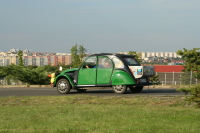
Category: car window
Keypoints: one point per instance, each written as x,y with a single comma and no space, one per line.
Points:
90,62
118,63
104,62
131,61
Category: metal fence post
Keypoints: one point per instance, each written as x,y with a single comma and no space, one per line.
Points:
173,79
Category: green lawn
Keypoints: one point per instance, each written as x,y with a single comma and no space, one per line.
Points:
90,114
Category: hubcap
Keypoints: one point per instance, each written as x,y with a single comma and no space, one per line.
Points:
119,87
62,86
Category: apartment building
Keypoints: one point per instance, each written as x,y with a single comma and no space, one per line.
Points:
35,59
55,59
8,58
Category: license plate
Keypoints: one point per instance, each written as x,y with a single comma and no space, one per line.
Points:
143,80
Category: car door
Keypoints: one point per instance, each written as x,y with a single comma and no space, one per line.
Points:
104,70
87,73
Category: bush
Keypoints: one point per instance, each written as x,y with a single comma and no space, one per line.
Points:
186,78
32,75
155,80
194,91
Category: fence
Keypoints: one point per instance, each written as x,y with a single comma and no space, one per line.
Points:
177,78
165,79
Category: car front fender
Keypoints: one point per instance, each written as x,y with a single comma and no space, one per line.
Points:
65,76
120,77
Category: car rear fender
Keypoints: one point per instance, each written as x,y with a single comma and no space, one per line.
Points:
121,77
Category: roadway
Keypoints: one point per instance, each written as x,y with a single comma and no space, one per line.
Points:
48,91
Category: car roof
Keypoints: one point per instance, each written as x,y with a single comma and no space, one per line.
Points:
108,54
99,54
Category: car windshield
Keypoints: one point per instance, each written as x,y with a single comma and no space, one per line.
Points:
131,61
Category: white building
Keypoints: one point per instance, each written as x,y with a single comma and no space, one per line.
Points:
160,54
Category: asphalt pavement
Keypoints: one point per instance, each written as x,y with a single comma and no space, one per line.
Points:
49,91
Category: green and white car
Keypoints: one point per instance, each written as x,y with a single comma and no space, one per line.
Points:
118,71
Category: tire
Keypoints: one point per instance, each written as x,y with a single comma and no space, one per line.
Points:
136,89
120,89
63,86
81,90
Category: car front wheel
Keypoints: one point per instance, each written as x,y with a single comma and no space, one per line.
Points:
120,89
63,86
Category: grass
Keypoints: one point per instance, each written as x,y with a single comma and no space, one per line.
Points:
91,114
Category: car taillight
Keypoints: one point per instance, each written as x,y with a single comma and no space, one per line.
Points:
138,81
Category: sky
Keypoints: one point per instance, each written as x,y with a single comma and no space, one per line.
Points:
100,25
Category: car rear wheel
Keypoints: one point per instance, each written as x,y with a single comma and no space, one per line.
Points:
120,89
63,86
136,89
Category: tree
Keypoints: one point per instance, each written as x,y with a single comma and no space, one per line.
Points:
192,63
20,57
155,80
75,57
192,60
82,52
136,55
3,71
194,92
77,54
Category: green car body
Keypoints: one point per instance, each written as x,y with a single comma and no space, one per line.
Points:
101,70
